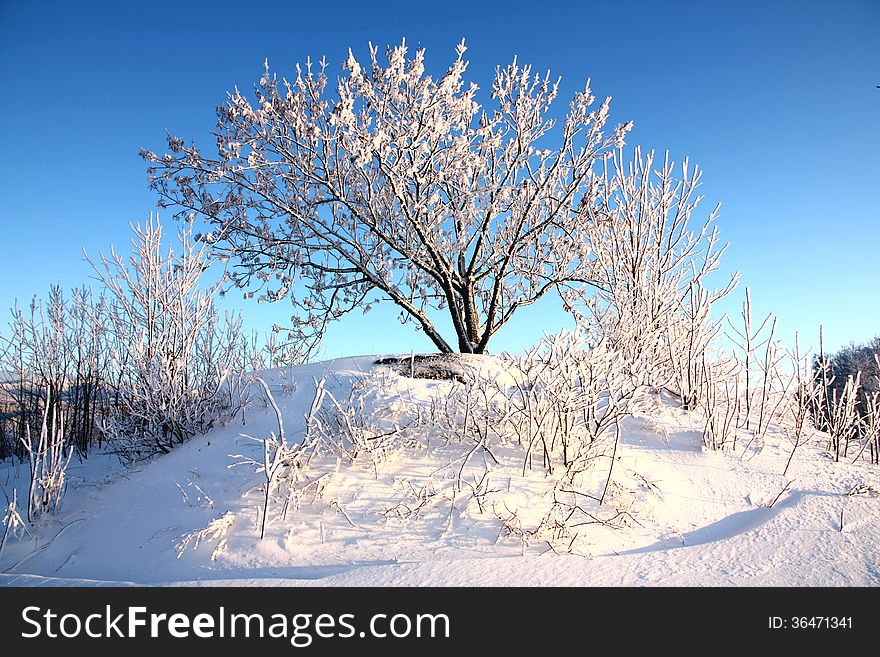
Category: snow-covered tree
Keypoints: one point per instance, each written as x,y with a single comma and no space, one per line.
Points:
399,187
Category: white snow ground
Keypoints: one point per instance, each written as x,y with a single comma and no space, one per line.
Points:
699,517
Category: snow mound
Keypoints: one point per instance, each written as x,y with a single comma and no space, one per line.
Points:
397,493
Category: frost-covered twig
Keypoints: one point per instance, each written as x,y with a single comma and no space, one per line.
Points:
275,453
215,531
12,521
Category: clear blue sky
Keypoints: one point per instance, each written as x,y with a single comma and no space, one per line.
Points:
776,101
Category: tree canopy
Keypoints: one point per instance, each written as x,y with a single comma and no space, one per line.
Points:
396,186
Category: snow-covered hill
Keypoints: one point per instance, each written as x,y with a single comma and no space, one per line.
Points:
434,511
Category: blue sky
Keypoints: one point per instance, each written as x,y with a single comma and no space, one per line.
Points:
775,101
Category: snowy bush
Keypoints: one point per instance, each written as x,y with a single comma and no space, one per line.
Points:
870,429
571,395
56,351
719,399
846,399
841,420
651,270
366,422
745,389
283,461
560,405
178,361
48,457
850,360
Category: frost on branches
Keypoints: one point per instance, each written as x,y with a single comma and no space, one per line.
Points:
399,187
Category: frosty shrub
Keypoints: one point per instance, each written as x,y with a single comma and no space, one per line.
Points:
48,458
277,455
362,423
804,394
559,402
573,394
870,429
216,531
850,360
740,385
56,354
176,359
650,270
760,357
284,463
719,399
845,403
842,422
